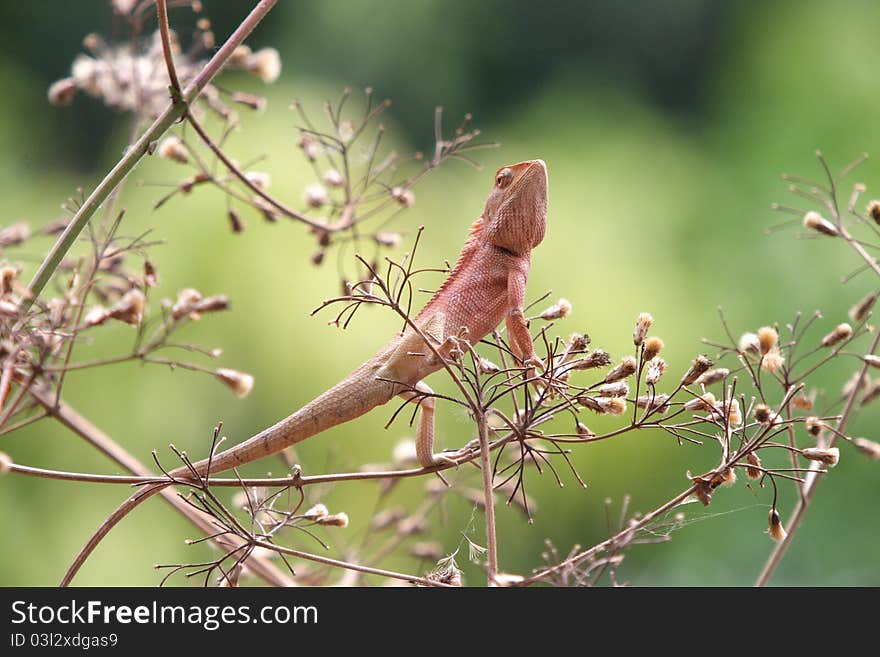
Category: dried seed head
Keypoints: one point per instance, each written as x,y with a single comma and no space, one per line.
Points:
309,146
873,392
8,277
213,304
872,360
713,376
578,342
15,234
316,196
700,365
815,221
130,308
763,413
840,333
726,478
265,64
62,92
486,366
625,368
868,447
753,460
559,309
259,179
426,550
703,489
653,403
239,382
239,57
643,323
827,455
654,370
767,338
731,410
604,405
653,346
186,302
172,148
803,402
390,240
5,463
598,358
332,178
334,520
616,389
873,210
346,131
772,361
584,431
236,223
316,512
776,530
749,343
814,425
97,315
705,402
862,310
403,196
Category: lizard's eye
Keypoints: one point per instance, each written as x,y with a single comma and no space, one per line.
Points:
503,178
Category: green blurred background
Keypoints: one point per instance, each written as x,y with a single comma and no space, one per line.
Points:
665,126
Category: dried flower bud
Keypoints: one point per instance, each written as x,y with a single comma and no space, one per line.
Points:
713,376
840,333
97,315
725,478
558,310
265,64
730,410
654,370
240,56
749,343
236,223
626,367
772,361
868,447
507,580
753,460
62,92
616,389
316,196
130,308
309,146
186,302
259,179
213,304
8,277
699,365
577,342
814,425
653,403
653,347
862,310
239,382
803,402
584,431
705,402
332,178
334,520
171,148
388,239
873,392
767,338
815,221
486,366
316,512
5,463
643,323
598,358
151,276
762,413
873,210
872,360
15,234
827,455
603,405
776,530
403,196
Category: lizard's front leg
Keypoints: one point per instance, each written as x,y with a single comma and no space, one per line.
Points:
422,395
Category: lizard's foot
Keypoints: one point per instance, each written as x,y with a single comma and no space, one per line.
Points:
455,457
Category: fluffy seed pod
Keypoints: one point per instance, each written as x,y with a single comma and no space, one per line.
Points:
239,382
814,425
598,358
486,366
62,92
334,520
654,404
840,333
815,221
625,368
705,402
404,197
730,410
700,365
259,179
95,316
749,343
8,277
558,310
713,376
653,347
654,370
332,178
584,431
767,338
753,460
867,447
316,512
426,550
265,64
772,361
862,310
15,234
171,148
725,478
315,196
604,405
309,146
827,455
187,299
762,414
616,389
643,323
776,530
872,360
151,275
130,308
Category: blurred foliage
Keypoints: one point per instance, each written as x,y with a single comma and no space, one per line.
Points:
665,127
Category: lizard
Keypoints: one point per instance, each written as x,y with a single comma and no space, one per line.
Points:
486,285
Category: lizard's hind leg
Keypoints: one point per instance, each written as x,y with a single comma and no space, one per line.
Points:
424,397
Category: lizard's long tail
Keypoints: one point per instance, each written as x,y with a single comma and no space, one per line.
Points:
347,400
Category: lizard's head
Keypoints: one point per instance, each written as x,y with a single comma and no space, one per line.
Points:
516,211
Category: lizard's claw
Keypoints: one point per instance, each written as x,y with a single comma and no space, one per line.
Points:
457,457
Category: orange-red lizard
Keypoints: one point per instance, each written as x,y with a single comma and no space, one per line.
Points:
487,284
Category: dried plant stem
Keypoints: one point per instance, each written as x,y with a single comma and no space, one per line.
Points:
136,152
811,481
489,501
68,417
